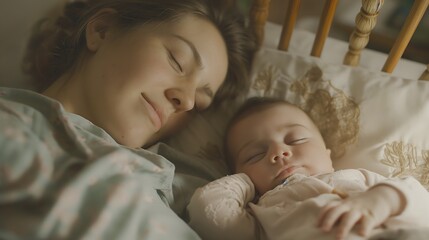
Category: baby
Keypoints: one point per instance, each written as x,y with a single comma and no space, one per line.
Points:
285,186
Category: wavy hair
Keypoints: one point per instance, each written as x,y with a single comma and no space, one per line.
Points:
56,44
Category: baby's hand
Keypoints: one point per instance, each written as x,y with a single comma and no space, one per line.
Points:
369,210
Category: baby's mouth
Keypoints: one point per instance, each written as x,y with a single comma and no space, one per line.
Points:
286,172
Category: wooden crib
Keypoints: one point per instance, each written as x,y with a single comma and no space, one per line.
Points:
366,20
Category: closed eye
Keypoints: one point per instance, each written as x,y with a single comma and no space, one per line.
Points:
298,141
256,157
175,63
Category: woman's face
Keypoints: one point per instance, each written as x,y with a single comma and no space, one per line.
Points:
139,85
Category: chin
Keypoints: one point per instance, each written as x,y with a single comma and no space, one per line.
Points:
130,143
149,144
131,139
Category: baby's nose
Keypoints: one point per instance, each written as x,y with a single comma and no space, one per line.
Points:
282,155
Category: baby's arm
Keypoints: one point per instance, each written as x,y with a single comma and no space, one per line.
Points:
416,210
369,209
386,202
219,209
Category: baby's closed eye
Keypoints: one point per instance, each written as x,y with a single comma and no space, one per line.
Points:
297,141
255,156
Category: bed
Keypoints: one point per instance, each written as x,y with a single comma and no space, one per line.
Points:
370,106
388,108
377,112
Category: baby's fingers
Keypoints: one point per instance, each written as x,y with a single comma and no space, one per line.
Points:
330,215
348,221
368,223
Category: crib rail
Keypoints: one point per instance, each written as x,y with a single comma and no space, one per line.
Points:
407,31
365,22
258,16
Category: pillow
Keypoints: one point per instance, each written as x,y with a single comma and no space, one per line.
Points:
369,119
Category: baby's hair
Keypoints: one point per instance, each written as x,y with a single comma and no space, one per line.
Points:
56,47
249,107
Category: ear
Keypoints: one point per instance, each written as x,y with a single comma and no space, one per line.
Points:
328,151
99,28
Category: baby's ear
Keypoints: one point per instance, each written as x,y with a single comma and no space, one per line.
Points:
328,151
99,28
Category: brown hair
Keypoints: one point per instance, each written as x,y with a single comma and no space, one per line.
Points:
55,47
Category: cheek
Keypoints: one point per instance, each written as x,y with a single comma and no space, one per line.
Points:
138,66
319,160
134,70
258,173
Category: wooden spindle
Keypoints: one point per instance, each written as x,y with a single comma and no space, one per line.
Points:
425,74
417,11
289,24
365,22
324,27
258,17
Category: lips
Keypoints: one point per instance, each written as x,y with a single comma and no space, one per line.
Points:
286,172
155,113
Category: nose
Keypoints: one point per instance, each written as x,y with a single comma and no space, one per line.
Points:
181,100
280,153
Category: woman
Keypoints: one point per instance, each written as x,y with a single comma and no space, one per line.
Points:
115,75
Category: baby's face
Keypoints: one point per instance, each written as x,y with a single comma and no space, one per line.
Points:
276,142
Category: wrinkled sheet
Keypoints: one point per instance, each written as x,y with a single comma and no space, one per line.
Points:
403,234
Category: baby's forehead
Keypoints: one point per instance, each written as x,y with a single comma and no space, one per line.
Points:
267,112
268,117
